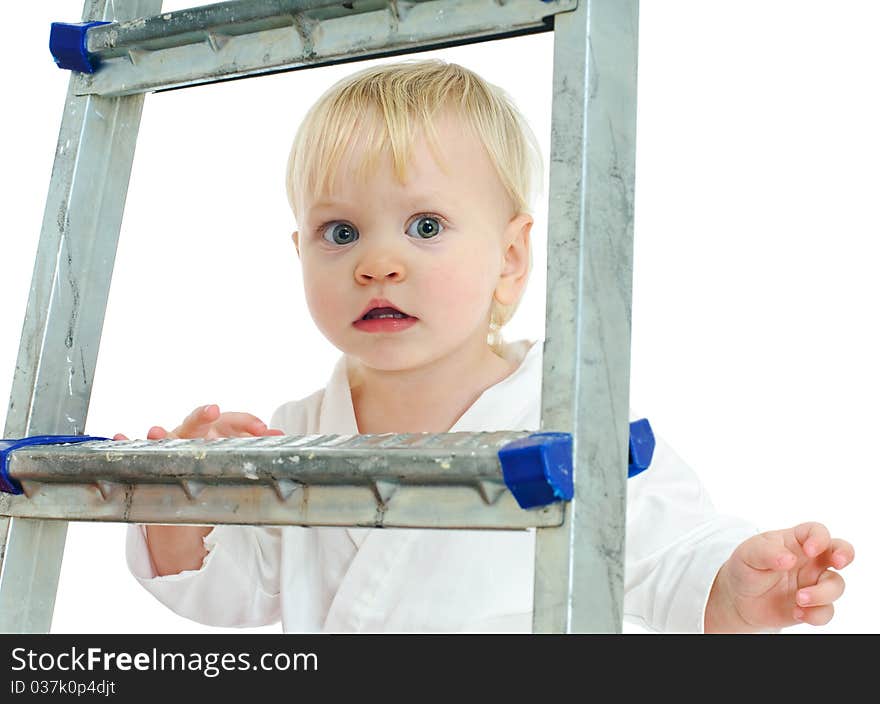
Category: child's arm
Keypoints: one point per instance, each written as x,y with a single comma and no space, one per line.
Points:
177,548
174,549
777,579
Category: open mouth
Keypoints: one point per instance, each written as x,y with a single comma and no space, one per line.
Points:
381,313
382,317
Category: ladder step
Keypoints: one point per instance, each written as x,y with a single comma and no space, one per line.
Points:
249,37
445,480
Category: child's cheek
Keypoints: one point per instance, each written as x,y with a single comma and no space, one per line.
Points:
330,306
458,295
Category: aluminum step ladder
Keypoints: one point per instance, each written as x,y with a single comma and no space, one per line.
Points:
453,480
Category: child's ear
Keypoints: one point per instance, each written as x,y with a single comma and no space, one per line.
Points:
296,241
515,265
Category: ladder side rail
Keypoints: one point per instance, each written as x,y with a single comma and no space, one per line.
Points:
579,567
65,313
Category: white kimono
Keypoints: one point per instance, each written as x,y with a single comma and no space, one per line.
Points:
418,580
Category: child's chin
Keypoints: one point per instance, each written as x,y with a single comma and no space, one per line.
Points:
383,364
387,355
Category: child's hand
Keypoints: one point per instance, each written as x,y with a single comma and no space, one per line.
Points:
777,579
208,422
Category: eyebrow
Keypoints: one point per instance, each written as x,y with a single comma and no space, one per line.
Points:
414,201
325,204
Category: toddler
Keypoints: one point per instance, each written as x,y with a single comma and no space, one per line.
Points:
410,184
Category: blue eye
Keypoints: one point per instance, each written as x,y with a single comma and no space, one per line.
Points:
340,232
424,227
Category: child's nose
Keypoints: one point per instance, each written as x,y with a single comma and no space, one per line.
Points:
380,265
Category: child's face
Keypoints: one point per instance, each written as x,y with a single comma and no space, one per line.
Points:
437,247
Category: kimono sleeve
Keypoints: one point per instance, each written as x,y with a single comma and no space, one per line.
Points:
238,584
676,543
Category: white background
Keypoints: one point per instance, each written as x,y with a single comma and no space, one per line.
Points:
754,348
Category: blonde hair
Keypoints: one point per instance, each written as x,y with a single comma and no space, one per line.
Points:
387,106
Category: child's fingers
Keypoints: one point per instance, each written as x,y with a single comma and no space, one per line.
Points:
237,424
119,436
196,423
208,422
764,553
813,537
827,589
275,431
815,616
842,553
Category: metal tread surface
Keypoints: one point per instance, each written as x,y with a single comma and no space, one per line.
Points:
445,480
238,39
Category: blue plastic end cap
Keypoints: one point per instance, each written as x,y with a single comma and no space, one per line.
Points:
641,446
538,469
7,483
67,42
